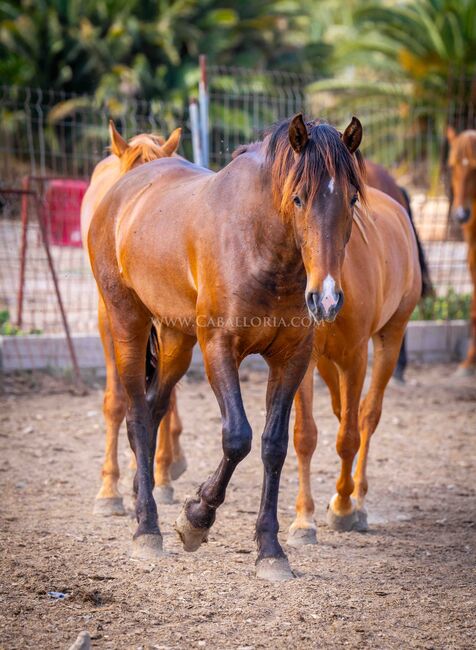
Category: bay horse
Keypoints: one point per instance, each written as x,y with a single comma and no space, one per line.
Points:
462,166
379,177
382,282
170,460
240,260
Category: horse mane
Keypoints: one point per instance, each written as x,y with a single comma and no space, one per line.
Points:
324,155
145,147
463,148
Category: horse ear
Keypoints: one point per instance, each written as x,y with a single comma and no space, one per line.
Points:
298,135
118,144
352,136
450,134
172,143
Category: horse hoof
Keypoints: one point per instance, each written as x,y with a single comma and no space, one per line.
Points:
147,547
465,371
362,525
178,467
274,569
301,537
164,494
192,538
341,523
397,382
109,507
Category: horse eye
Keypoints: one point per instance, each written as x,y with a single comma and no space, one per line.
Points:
354,199
297,201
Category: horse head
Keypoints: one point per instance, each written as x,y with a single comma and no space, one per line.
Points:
462,165
142,148
317,179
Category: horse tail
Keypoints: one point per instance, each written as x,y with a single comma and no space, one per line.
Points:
426,283
151,357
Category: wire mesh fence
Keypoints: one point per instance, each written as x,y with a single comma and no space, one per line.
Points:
48,137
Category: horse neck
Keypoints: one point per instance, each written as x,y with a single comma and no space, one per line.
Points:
275,234
269,234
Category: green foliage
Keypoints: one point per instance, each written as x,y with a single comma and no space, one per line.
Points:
453,306
9,329
147,48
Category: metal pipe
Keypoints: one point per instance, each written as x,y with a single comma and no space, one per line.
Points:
203,101
195,127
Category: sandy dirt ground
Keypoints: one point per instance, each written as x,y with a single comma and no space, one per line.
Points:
408,583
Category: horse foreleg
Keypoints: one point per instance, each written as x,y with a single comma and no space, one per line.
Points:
109,500
341,513
285,375
303,528
387,344
198,514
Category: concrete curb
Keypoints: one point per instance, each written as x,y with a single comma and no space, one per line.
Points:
427,341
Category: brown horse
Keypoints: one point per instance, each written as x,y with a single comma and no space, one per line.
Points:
378,177
382,282
462,164
238,260
170,460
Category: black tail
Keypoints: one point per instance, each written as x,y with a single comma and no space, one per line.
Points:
426,283
151,357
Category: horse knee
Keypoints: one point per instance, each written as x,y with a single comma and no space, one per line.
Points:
347,444
237,441
305,438
114,405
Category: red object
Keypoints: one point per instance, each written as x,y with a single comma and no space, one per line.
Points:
62,200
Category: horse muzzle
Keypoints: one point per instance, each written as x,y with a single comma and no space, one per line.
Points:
324,306
461,215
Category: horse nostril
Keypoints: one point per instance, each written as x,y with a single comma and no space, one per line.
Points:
313,304
340,300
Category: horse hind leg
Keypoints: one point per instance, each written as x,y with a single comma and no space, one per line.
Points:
170,462
109,500
387,344
179,461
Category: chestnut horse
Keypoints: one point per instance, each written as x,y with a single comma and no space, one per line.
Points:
382,283
378,177
170,460
236,260
462,165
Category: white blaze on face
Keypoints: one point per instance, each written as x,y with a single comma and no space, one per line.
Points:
329,298
330,186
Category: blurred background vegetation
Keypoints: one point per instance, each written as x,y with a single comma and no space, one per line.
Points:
398,64
149,48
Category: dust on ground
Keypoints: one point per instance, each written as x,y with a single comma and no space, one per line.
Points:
408,583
